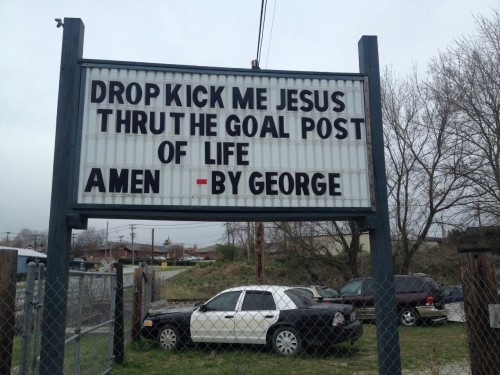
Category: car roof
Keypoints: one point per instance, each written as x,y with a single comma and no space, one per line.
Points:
268,288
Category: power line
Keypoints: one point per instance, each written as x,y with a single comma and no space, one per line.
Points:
271,33
263,7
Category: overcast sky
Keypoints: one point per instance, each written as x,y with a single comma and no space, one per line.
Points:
299,35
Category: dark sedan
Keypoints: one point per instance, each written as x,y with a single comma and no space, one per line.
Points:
280,316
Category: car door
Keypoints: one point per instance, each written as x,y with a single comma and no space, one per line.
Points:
214,320
257,313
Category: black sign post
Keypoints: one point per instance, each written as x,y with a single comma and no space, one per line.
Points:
61,222
378,223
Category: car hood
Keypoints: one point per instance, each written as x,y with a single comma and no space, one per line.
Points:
177,311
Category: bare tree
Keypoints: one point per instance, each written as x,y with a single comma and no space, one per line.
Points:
319,243
469,72
36,238
422,151
242,235
347,234
90,239
177,251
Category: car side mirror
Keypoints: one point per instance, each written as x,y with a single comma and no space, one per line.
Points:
203,308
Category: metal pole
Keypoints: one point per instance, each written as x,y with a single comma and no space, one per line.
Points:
112,321
59,241
380,236
78,329
38,311
119,327
28,313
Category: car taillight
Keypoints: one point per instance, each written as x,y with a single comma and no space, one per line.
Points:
429,300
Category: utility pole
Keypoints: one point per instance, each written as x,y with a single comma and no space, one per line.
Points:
132,226
106,243
7,241
152,245
479,215
35,236
73,236
248,241
443,232
479,284
259,244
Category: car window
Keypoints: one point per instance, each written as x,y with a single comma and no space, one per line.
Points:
307,292
223,302
299,298
408,284
448,291
432,285
352,288
258,300
327,292
369,287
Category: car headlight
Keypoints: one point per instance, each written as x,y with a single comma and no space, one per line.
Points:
353,316
147,323
338,320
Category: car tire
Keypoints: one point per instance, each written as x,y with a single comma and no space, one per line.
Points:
409,317
287,342
168,338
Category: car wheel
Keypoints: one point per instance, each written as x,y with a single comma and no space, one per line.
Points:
287,341
408,317
168,338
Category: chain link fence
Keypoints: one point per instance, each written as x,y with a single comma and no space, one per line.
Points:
438,331
90,333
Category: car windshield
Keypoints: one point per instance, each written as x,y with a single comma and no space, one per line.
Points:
299,298
352,288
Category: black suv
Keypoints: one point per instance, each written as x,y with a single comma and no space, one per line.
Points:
418,298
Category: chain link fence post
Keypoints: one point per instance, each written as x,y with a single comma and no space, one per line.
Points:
27,318
38,318
119,327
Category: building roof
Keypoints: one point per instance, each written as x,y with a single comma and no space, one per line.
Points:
25,252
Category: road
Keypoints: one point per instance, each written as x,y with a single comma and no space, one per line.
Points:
128,274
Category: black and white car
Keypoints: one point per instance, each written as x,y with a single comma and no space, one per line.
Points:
280,316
